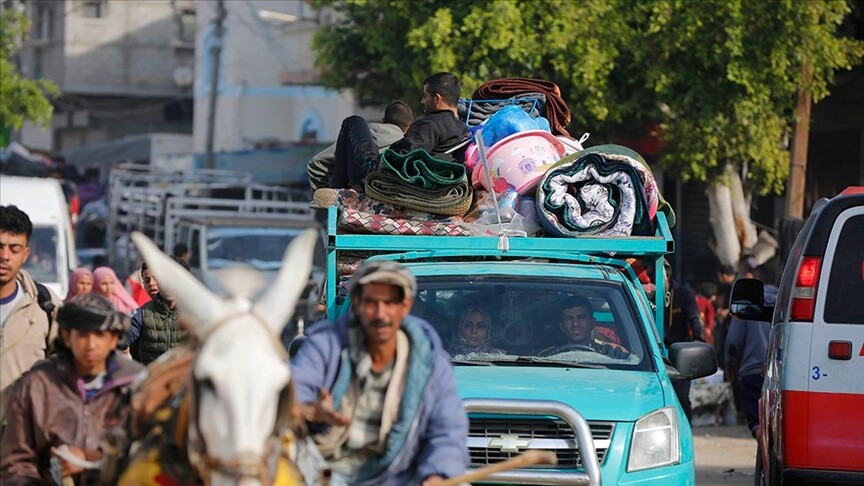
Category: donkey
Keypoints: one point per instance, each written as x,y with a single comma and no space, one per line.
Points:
240,375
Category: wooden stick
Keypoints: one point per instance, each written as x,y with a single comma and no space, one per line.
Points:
527,458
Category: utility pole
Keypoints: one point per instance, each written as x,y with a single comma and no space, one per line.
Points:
216,52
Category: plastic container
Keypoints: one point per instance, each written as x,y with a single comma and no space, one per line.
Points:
520,159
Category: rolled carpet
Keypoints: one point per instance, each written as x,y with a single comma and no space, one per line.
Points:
598,192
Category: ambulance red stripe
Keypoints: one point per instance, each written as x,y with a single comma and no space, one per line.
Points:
815,439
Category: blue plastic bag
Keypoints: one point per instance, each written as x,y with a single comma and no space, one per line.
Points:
509,120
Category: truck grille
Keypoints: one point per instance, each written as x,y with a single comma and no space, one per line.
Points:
545,433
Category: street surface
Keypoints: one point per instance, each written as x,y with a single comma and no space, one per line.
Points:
725,455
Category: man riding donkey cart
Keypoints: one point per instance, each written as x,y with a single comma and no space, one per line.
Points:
219,411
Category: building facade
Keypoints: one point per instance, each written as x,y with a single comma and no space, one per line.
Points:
268,94
123,66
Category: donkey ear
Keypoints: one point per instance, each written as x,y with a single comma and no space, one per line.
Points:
277,305
197,303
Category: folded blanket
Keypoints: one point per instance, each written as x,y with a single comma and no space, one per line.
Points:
557,111
418,181
362,214
365,222
351,199
419,169
452,200
599,192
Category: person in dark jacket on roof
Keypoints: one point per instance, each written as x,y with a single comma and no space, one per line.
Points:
61,409
398,116
438,133
155,328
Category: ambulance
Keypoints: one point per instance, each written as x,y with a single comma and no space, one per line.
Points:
811,424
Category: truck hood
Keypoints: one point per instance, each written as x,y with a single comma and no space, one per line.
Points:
603,395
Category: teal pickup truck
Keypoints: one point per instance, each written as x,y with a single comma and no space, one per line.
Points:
610,418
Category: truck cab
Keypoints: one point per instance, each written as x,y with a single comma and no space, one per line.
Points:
610,417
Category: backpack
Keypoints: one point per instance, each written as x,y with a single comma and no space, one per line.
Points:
44,299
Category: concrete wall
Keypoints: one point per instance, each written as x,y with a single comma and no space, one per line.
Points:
267,91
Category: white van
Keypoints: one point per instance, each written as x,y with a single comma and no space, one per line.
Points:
52,245
811,425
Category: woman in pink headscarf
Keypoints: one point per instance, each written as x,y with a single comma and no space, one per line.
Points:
81,282
105,282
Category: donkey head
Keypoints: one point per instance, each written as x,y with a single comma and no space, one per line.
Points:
240,374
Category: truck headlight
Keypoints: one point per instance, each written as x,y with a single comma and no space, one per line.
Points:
655,441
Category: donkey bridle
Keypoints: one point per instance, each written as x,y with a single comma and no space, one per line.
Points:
238,468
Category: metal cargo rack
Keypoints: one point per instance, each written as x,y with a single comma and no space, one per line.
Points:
203,210
139,196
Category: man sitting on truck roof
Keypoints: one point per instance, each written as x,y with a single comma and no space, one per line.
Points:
438,133
378,388
578,323
398,116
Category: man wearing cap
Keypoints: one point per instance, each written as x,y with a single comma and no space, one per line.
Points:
377,388
64,405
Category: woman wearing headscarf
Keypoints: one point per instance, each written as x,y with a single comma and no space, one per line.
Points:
474,334
106,283
81,282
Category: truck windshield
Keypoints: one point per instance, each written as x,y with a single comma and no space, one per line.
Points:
534,321
262,248
42,262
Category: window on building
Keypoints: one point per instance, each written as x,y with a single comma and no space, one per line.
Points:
187,24
94,9
37,62
43,21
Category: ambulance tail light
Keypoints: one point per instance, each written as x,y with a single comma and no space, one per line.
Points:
804,293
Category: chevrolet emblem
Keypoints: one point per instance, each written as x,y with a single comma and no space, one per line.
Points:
509,443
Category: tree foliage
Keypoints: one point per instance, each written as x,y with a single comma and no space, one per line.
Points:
21,99
729,82
721,76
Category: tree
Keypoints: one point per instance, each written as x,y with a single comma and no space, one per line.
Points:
723,85
730,85
383,50
21,99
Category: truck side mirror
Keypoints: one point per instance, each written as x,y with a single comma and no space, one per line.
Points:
746,299
692,360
